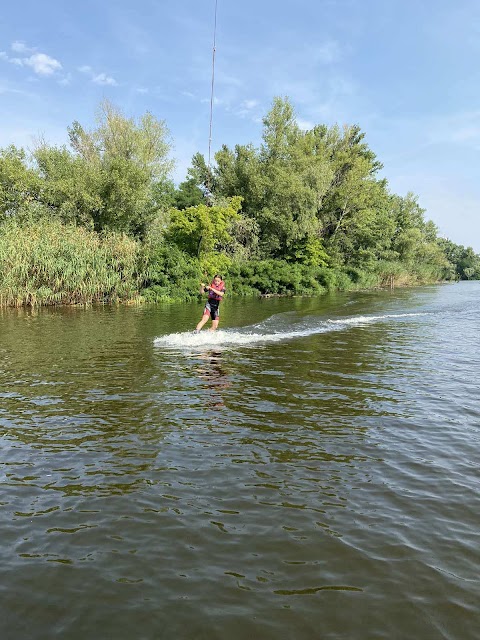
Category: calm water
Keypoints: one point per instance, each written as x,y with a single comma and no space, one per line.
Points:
309,472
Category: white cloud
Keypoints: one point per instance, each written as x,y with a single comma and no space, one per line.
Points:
17,61
41,63
20,47
98,78
103,79
247,109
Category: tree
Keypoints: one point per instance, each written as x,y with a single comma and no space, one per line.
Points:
297,178
465,261
188,194
411,232
282,183
353,216
70,187
19,183
115,177
201,230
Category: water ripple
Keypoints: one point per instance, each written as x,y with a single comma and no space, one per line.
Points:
243,489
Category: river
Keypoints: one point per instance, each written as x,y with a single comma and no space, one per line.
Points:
310,471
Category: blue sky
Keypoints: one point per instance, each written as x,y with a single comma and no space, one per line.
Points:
408,72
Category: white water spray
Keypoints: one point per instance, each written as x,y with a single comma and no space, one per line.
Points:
264,332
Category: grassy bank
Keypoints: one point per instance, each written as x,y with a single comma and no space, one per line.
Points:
49,263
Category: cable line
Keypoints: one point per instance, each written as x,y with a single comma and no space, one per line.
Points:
213,83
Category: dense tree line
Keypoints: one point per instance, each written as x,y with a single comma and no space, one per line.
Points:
305,212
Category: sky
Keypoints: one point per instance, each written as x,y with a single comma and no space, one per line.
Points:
406,71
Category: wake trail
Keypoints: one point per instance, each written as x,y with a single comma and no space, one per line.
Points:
265,332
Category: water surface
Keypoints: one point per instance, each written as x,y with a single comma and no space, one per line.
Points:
310,471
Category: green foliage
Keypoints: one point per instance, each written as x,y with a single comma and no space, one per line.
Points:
361,278
214,263
169,274
308,189
19,184
302,214
315,198
188,194
282,183
390,272
114,178
128,165
464,262
278,277
202,229
69,188
245,239
47,262
355,220
311,251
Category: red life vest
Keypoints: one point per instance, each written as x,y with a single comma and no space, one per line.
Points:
219,287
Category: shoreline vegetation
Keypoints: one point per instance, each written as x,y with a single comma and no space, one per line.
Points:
305,213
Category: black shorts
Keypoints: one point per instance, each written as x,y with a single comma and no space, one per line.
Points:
211,308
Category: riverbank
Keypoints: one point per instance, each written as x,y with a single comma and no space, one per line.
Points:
121,290
46,263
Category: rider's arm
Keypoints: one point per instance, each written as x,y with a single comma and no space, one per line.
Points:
217,291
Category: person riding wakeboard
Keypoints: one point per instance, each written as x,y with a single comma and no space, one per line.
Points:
216,291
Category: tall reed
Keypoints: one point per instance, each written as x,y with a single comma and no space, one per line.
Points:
47,262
